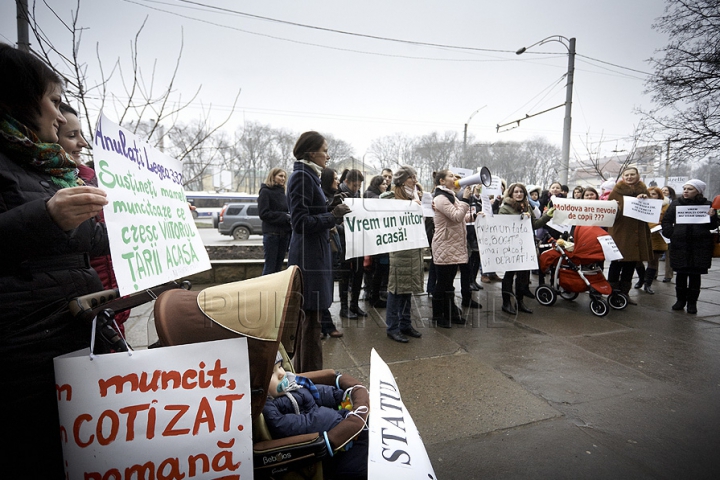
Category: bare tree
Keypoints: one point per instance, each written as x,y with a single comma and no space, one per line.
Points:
145,108
685,86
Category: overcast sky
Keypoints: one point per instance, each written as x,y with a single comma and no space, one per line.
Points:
360,88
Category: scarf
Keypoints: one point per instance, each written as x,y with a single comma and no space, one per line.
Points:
315,167
411,192
22,145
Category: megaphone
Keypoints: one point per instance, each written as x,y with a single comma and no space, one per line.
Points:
483,177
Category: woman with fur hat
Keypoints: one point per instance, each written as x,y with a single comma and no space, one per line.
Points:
406,266
516,202
631,236
691,246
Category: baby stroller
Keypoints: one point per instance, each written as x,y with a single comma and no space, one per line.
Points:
267,310
575,268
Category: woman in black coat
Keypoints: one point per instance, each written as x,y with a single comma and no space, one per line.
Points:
275,216
691,246
47,233
309,245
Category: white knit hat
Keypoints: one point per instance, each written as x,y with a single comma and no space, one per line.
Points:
698,185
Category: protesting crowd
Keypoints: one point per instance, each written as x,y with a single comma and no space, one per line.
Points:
56,245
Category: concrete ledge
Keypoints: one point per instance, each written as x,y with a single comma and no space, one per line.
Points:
235,270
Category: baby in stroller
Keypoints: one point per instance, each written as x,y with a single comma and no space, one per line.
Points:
296,406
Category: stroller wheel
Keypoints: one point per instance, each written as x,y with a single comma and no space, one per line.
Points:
545,295
569,296
617,300
599,307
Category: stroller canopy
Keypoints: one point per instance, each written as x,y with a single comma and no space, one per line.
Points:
587,248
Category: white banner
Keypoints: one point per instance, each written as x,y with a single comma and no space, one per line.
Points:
380,226
506,243
692,214
643,209
396,450
427,200
610,249
592,213
153,238
172,412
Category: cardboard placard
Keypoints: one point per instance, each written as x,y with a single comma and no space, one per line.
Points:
592,213
380,226
396,450
153,238
643,209
506,243
695,214
172,412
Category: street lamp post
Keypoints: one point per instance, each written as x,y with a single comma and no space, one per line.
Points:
569,43
465,135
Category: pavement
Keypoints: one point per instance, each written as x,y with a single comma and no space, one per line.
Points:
557,394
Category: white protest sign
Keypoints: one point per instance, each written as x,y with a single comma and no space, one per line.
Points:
610,249
676,183
380,226
559,227
462,172
692,214
592,213
643,209
427,207
153,238
495,187
506,243
486,204
656,228
396,450
173,412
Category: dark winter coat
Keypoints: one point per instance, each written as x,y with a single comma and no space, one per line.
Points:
691,245
274,211
310,242
631,236
314,417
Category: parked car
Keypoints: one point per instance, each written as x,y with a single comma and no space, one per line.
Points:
240,220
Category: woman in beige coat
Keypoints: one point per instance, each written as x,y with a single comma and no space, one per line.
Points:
449,245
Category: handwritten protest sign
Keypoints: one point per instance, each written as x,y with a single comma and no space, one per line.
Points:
380,226
396,450
596,213
173,412
486,205
610,249
692,214
506,243
495,187
153,238
643,209
427,208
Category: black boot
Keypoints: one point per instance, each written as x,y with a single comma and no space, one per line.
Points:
455,311
344,310
519,294
692,296
507,306
649,277
439,316
354,308
681,293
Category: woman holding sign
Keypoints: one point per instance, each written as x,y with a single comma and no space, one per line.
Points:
516,203
47,232
310,244
631,236
691,246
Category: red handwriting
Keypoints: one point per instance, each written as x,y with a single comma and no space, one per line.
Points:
111,425
164,380
173,468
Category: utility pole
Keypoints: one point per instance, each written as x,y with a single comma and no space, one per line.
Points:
667,162
564,169
23,25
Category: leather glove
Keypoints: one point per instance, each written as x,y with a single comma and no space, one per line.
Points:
340,211
338,198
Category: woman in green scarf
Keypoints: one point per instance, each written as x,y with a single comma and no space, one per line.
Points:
47,233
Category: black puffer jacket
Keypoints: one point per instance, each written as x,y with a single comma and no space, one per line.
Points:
35,325
273,209
691,244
